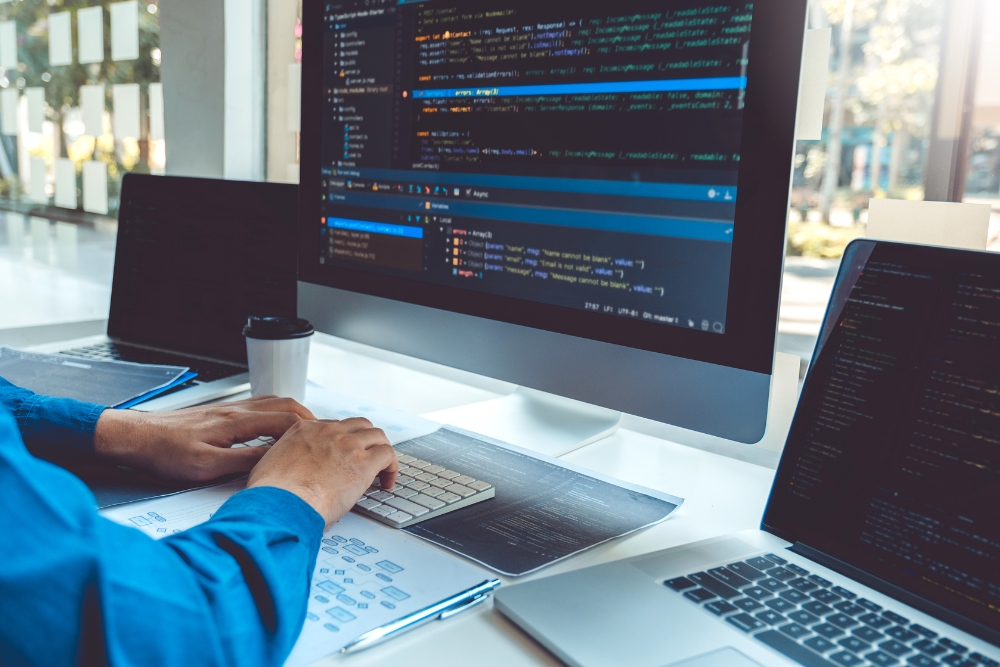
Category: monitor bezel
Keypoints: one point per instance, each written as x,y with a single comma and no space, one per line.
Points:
764,185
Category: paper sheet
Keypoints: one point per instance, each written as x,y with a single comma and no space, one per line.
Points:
66,245
9,98
37,180
399,426
36,108
92,105
66,183
929,222
95,187
60,39
40,237
8,44
126,111
90,34
156,128
124,30
366,574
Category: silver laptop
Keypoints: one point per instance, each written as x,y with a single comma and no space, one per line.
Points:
195,257
880,543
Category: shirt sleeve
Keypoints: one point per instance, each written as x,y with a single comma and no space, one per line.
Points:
55,429
79,589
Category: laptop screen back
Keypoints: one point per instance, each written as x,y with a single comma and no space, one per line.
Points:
892,464
196,257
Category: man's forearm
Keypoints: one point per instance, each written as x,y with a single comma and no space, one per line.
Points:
55,429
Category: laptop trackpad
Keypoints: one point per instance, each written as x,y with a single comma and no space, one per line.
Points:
727,657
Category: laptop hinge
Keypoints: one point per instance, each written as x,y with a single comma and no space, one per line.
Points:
906,597
177,352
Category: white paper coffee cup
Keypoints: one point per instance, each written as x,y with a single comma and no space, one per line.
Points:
278,356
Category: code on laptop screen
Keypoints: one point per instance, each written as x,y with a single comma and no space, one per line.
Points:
893,461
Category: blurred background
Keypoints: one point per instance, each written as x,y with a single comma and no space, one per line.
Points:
910,83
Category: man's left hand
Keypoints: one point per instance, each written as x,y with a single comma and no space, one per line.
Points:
195,444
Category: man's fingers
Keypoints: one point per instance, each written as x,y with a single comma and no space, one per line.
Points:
252,425
216,462
275,404
355,424
384,456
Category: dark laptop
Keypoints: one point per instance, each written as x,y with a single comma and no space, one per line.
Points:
196,257
880,543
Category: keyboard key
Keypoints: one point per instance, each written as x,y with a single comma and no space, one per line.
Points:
922,661
781,574
760,563
679,583
431,491
711,583
748,604
756,592
420,486
448,474
983,660
816,579
794,596
772,585
770,617
825,596
893,647
849,608
440,482
479,485
854,644
403,479
957,660
921,630
794,630
747,571
932,649
426,477
398,517
699,595
403,493
875,621
727,576
448,498
868,604
382,510
405,458
846,659
368,504
381,496
947,643
896,618
843,592
460,490
463,479
720,607
841,620
803,617
780,605
882,659
819,644
803,585
434,469
867,634
744,622
790,648
828,631
427,501
406,506
901,634
776,559
817,608
419,463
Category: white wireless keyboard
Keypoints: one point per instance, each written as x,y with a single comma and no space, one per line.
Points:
423,491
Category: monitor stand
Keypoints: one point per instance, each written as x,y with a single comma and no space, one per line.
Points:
535,420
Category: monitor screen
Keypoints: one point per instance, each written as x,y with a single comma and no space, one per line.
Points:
579,155
575,167
195,257
892,464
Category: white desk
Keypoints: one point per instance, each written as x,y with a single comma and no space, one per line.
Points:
721,494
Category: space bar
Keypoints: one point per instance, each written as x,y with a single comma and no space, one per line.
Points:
792,650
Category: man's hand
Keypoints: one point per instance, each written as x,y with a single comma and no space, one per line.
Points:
194,444
328,464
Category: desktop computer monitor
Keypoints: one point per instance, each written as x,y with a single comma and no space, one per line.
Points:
588,199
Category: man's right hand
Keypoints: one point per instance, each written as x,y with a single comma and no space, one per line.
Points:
329,464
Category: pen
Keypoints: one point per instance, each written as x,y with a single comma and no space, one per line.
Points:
444,609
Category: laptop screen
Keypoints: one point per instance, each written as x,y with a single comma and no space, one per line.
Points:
892,464
196,257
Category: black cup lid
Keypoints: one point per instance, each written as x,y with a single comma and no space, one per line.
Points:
277,328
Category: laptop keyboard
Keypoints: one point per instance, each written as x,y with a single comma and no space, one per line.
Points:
207,371
814,623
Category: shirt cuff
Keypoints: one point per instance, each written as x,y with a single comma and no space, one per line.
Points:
270,505
53,428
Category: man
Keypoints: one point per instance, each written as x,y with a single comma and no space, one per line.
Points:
78,589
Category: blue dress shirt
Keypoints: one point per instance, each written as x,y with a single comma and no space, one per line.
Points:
76,588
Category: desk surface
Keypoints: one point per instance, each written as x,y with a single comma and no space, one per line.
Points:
721,495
